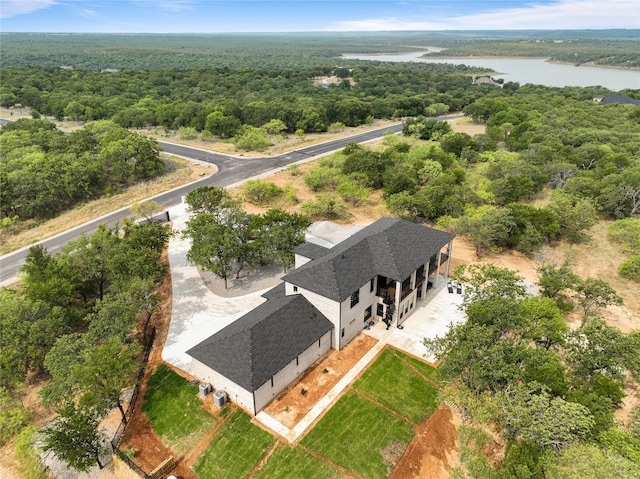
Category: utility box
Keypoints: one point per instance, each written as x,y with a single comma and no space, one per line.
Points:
220,398
205,389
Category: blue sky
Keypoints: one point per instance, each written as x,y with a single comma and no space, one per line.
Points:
206,16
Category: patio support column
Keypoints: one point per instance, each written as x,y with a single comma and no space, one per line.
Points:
397,299
425,283
435,285
427,267
446,270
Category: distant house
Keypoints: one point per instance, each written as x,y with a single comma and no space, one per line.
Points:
381,273
485,80
616,99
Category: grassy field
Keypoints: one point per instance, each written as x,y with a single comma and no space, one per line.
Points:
235,451
365,432
287,462
423,368
359,436
175,412
394,384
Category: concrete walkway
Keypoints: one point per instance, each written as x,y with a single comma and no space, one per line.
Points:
196,313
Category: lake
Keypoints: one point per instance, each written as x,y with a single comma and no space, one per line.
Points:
529,70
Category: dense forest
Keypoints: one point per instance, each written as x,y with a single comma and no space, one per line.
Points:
293,50
185,98
45,171
82,317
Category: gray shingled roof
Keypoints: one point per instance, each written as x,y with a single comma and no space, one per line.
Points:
255,347
616,98
389,247
311,250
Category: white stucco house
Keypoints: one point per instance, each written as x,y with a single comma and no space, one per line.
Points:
380,273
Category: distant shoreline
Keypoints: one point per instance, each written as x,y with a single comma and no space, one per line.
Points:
546,59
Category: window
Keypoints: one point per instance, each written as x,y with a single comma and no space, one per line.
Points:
297,363
355,298
380,310
295,289
371,285
342,333
319,342
367,314
271,381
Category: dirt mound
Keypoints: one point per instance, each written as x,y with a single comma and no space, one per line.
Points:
434,448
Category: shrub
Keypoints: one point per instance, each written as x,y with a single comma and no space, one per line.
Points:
293,170
187,133
326,205
353,193
321,176
13,416
207,136
260,192
251,138
627,233
29,465
290,194
630,269
336,127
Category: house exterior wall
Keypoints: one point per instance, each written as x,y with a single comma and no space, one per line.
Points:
292,371
237,394
352,319
300,260
328,307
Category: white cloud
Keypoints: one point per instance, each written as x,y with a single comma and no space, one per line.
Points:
563,14
175,5
11,8
85,12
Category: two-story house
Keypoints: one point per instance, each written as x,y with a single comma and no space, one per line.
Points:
381,273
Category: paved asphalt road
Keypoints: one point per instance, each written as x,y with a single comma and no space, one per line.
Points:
230,170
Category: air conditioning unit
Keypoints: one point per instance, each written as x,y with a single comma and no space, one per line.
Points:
220,398
205,389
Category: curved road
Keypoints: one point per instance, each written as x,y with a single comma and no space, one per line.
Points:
231,170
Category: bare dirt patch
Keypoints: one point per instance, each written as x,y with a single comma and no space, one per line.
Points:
369,211
433,450
466,125
599,258
291,406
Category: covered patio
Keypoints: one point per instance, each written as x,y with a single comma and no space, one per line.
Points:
430,318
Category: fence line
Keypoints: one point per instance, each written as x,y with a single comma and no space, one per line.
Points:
117,437
132,465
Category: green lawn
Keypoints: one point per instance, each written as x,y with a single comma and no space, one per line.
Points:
391,382
175,412
235,451
425,369
355,433
287,463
